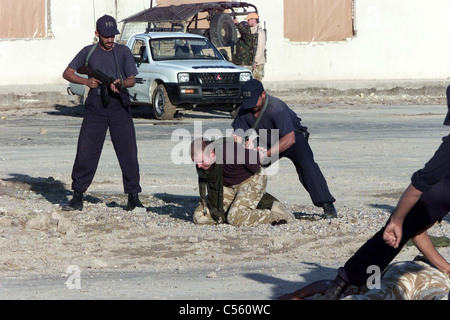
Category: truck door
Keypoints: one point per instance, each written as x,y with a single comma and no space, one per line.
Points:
139,49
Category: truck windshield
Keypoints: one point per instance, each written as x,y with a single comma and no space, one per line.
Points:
182,49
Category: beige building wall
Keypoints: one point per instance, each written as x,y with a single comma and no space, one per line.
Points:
401,39
175,2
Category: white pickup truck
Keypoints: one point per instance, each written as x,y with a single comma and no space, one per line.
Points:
181,69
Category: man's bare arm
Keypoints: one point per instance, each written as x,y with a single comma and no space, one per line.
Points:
69,75
285,143
393,231
423,242
127,83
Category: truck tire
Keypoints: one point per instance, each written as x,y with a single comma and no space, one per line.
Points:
162,107
222,31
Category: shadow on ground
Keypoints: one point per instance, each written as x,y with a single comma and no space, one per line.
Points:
54,191
386,207
146,112
280,286
176,206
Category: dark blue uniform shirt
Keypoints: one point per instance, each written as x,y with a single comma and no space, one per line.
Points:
276,116
104,61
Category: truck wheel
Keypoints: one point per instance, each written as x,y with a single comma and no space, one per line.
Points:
222,31
162,107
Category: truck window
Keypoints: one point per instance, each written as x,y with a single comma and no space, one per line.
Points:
139,51
183,48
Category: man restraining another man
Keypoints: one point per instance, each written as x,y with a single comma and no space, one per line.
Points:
117,61
284,137
268,116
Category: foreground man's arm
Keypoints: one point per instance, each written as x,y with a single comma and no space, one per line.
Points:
69,75
393,232
423,242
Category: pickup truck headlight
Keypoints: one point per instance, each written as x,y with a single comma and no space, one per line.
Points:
245,76
183,77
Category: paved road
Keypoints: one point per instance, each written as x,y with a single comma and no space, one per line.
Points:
362,150
366,153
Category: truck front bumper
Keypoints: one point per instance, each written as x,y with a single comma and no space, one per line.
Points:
201,95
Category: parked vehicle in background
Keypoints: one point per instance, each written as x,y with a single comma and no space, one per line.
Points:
214,20
179,69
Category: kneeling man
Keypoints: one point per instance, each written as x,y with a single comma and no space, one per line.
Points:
232,186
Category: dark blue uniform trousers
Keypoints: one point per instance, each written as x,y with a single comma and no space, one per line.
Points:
97,120
432,206
308,170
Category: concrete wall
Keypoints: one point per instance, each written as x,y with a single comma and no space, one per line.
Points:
401,39
33,62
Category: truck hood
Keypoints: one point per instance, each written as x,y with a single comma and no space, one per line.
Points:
201,66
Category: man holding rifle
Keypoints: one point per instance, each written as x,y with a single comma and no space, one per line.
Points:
111,69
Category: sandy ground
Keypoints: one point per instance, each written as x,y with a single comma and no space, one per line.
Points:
367,146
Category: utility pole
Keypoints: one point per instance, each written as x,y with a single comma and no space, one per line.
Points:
115,13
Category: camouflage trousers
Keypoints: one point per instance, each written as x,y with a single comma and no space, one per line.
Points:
405,280
258,71
240,201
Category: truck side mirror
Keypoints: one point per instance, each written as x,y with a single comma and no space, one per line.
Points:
142,57
138,60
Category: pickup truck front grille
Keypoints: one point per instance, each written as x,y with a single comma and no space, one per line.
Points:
221,93
218,78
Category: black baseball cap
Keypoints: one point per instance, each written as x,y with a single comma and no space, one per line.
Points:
107,26
251,90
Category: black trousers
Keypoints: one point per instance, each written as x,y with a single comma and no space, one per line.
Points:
308,170
97,120
432,206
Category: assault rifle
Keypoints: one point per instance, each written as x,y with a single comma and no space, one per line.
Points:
106,82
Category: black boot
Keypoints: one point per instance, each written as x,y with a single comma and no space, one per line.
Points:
336,288
329,211
133,202
76,203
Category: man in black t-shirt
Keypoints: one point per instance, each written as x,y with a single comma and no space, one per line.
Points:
280,134
235,184
117,62
424,202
